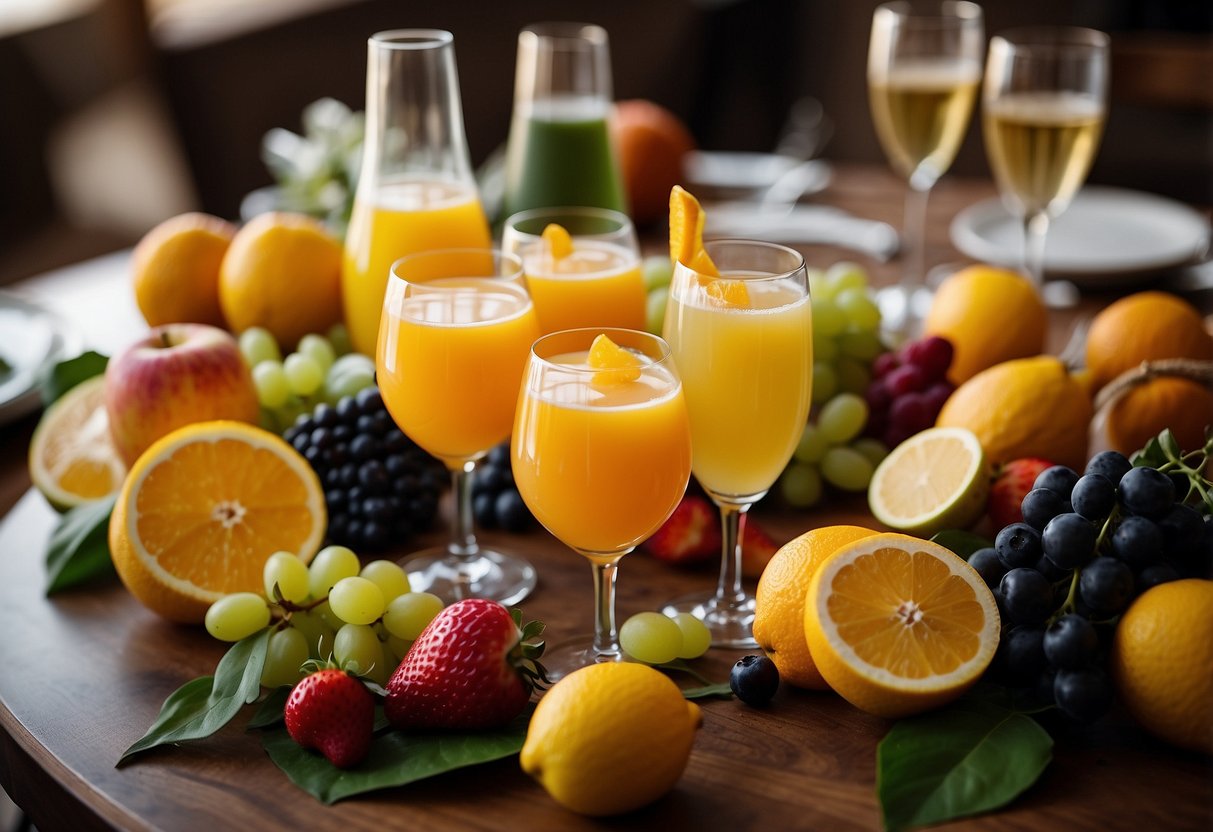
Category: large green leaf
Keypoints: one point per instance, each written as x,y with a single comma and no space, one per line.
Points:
971,757
78,551
395,758
67,374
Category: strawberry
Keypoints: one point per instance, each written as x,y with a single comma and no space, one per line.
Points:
1011,483
691,535
334,713
757,549
471,668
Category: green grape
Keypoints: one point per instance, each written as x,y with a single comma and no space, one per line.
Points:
303,374
845,275
273,390
842,418
696,637
285,653
331,564
357,648
388,576
825,382
658,271
801,485
237,616
257,345
655,306
651,637
324,614
824,347
847,469
828,319
853,376
864,346
397,647
873,449
812,445
861,311
349,374
317,348
317,633
290,574
339,337
407,615
819,287
356,600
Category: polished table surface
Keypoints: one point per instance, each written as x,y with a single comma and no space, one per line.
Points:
83,674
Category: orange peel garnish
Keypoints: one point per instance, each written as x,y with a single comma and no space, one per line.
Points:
614,364
559,242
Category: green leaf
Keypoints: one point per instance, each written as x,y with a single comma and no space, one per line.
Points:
961,542
270,711
202,706
1169,445
970,757
1151,456
723,689
78,551
395,758
67,374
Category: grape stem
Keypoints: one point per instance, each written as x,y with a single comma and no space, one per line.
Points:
1067,606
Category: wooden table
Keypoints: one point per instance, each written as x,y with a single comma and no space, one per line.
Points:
83,675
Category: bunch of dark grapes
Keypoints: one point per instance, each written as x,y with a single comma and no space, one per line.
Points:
496,503
1087,546
379,487
908,389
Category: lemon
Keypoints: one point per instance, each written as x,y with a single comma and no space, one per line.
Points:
1162,662
937,479
610,738
72,459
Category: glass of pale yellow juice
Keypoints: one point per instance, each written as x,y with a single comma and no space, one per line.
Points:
743,343
599,283
457,326
601,457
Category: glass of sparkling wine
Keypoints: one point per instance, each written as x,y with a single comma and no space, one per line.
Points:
743,343
1043,109
599,283
924,66
601,455
457,327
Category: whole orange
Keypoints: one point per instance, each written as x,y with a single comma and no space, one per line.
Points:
650,142
175,270
1145,326
282,272
1178,404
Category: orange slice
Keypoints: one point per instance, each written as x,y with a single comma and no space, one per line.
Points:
729,293
615,364
71,457
203,508
897,625
686,233
558,240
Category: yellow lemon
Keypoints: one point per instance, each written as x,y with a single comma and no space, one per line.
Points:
1162,662
779,601
610,738
937,479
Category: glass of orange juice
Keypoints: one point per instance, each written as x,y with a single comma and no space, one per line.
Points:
601,457
456,330
743,342
599,283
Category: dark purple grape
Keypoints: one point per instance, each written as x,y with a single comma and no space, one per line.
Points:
369,400
325,416
1022,654
1052,571
1146,492
512,513
1083,695
1069,541
347,409
484,510
988,565
1027,596
1106,585
500,456
754,680
1018,545
1138,542
1152,576
1112,464
1182,530
362,446
1040,505
1094,497
1059,478
1071,642
488,478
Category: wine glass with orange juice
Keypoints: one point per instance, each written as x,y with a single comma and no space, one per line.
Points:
456,330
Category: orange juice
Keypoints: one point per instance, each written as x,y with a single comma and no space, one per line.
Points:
450,362
598,284
747,374
405,217
601,466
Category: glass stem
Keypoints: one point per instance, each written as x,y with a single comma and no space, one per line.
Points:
913,275
729,593
606,637
1035,229
463,539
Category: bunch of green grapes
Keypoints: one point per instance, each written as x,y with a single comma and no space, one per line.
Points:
654,638
832,450
321,369
365,618
846,331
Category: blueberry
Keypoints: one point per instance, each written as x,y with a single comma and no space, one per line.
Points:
1138,542
394,441
334,500
988,565
325,415
500,455
1059,478
375,534
1018,545
1040,505
1027,596
301,441
1111,464
512,513
1182,530
373,477
362,447
1071,642
1069,541
349,474
1147,492
1022,654
754,680
368,400
381,423
1094,497
1106,585
1152,576
1083,695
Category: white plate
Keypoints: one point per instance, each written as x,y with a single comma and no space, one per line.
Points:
31,340
741,171
1106,232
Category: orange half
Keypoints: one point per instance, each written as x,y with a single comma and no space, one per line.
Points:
72,459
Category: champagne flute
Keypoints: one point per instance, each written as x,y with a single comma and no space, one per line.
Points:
1043,109
924,65
744,346
599,283
601,457
457,326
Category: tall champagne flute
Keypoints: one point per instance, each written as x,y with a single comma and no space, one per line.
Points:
456,330
744,346
1043,109
924,65
601,457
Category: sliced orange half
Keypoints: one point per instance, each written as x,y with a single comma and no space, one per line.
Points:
203,508
71,457
615,364
897,625
560,244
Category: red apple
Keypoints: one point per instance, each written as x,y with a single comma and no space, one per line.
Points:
177,375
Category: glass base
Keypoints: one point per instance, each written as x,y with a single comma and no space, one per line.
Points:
730,625
561,659
494,575
902,312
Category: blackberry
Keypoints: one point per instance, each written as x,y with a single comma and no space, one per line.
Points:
496,503
379,487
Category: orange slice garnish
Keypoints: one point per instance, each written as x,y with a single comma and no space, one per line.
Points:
560,244
615,365
729,293
686,233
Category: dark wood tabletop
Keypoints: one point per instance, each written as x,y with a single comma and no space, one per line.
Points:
82,675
